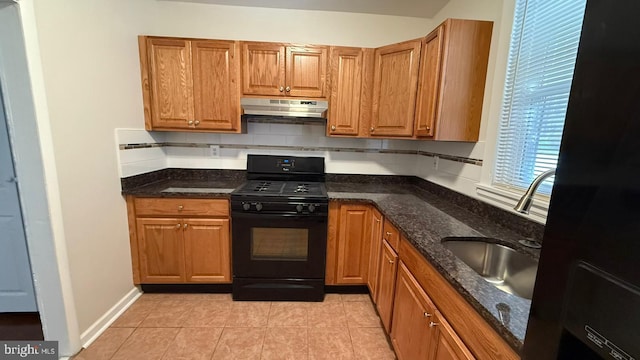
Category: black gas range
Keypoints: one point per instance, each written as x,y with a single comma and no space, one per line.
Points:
279,234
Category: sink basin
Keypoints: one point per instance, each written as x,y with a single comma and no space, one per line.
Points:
503,267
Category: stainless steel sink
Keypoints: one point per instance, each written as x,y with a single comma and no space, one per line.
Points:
503,267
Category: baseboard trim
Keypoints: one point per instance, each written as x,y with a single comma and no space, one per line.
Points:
95,330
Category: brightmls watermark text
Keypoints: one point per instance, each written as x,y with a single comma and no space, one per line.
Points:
28,350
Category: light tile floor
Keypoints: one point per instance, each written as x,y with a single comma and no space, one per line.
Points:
212,326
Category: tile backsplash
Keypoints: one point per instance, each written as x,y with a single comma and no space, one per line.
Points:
140,151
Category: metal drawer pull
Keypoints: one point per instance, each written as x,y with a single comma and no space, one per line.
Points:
388,233
185,226
178,226
391,261
180,207
426,314
432,324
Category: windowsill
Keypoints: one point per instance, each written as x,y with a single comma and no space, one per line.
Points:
506,199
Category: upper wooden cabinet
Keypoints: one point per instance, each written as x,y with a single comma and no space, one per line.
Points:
350,99
190,84
395,89
274,69
453,71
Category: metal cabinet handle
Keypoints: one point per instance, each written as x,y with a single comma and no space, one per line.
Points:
197,122
427,315
190,122
180,207
185,226
377,220
177,226
391,262
372,129
287,89
388,233
428,128
432,324
281,88
333,128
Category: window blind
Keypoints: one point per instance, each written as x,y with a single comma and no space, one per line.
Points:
542,54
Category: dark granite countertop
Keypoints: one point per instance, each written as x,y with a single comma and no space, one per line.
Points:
423,213
183,182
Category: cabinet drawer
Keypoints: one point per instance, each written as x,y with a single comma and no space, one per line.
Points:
182,207
391,234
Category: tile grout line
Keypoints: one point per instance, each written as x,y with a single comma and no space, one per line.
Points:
264,334
172,340
217,343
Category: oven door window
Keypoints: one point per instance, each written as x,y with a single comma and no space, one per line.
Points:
279,244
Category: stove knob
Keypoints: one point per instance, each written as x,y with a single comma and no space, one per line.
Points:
258,206
311,208
299,208
246,206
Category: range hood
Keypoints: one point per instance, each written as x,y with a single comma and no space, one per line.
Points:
285,108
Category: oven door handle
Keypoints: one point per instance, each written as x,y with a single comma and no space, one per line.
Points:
239,215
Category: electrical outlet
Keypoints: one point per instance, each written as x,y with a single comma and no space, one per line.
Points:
214,151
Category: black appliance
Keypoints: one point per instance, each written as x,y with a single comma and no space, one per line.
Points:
586,302
280,229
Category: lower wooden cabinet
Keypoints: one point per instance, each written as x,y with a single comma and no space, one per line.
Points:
374,254
386,283
161,250
418,330
169,247
206,250
424,315
349,244
448,345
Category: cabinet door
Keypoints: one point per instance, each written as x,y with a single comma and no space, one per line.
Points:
394,89
346,86
263,67
354,237
411,334
306,71
386,290
448,345
374,256
160,250
427,109
171,82
215,85
206,247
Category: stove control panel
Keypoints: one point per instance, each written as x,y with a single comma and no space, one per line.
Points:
279,207
286,164
308,207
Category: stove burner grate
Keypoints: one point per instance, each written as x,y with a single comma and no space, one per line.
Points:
263,186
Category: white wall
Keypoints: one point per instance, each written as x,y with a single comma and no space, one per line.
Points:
89,59
21,85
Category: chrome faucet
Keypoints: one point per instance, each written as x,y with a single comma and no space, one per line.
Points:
526,200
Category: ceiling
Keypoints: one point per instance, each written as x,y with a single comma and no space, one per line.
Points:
411,8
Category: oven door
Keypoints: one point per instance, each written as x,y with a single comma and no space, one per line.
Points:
274,246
